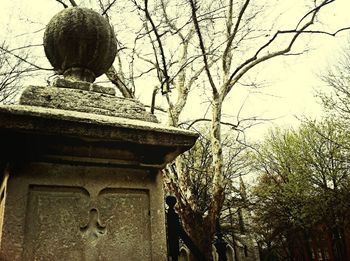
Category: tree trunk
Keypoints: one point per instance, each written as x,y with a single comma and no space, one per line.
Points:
202,233
307,247
339,244
217,188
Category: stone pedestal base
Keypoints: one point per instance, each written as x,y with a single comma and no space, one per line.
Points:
67,212
79,186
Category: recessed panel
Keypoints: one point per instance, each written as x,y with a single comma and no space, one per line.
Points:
66,223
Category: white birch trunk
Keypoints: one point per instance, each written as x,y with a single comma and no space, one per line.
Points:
216,144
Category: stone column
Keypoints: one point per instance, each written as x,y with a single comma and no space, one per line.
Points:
81,167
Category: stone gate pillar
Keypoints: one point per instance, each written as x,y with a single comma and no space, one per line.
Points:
80,167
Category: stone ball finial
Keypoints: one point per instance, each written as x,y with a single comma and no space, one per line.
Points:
80,44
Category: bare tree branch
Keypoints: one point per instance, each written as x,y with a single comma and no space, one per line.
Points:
234,126
166,82
113,76
231,36
316,9
61,2
202,46
73,3
320,32
25,47
108,7
253,61
12,70
24,60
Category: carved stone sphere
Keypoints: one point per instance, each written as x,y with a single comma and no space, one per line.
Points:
80,44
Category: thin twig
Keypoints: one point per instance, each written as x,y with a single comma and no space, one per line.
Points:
108,7
61,2
253,61
24,60
166,81
234,33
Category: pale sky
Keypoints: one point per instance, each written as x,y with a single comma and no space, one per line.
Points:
290,82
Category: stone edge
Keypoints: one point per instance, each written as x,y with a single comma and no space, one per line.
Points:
39,114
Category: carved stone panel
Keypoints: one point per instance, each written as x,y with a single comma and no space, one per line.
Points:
53,220
67,223
126,214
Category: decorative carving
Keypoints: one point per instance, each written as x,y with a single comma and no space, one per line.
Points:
92,233
93,230
107,226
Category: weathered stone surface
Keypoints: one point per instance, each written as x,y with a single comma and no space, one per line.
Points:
67,212
82,186
85,101
113,225
90,126
86,86
80,44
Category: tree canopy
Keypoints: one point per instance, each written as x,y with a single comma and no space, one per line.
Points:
303,193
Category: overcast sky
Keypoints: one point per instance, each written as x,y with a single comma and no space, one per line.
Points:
290,83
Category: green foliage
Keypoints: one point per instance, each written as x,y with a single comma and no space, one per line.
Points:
303,185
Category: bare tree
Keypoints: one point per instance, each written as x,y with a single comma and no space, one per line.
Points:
336,100
224,72
15,65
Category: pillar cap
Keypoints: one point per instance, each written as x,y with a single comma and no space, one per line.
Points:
80,44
